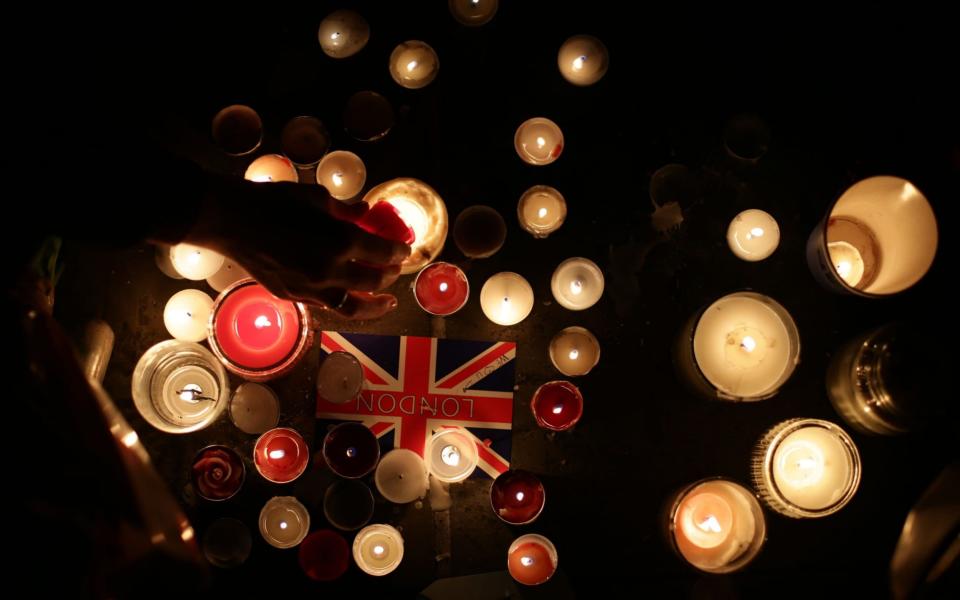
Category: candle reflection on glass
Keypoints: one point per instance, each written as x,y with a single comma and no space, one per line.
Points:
532,559
342,173
753,235
506,298
538,141
193,262
577,283
583,60
378,549
574,351
414,64
284,522
271,168
451,455
186,314
541,210
422,209
343,33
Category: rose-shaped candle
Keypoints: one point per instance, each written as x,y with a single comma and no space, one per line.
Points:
441,289
557,405
217,472
281,455
351,450
517,497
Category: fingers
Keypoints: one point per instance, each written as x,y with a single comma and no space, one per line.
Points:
375,249
357,305
360,276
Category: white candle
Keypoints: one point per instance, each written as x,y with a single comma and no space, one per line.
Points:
506,298
753,235
229,273
378,549
193,262
847,261
401,476
342,173
451,455
577,283
583,60
343,33
422,209
806,468
746,345
414,64
541,210
538,141
340,378
473,13
271,168
574,351
254,408
284,522
186,315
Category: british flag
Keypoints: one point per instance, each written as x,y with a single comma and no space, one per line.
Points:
417,385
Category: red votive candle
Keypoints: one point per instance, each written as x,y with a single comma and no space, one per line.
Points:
351,450
532,559
281,455
441,288
324,555
557,405
517,497
255,334
217,473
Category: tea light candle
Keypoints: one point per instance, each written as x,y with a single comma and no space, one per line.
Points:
271,168
340,378
451,455
217,473
517,497
348,504
541,210
532,559
538,141
806,468
441,289
717,525
574,351
557,405
343,33
193,262
583,60
284,522
229,273
848,262
378,549
577,283
342,173
401,476
186,314
237,129
506,298
351,450
414,64
473,13
753,235
281,455
422,209
368,116
479,231
304,140
254,408
324,555
746,345
227,543
161,257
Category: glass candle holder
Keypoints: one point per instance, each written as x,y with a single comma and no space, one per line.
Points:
343,33
401,476
506,298
441,289
368,116
257,335
414,64
753,235
517,497
227,543
878,238
186,314
541,210
532,559
378,549
479,231
254,408
340,378
281,455
193,262
473,13
342,173
179,387
324,555
538,141
716,525
557,405
583,60
237,130
217,473
422,209
304,140
574,351
348,504
229,273
284,522
271,168
451,455
577,283
806,468
351,450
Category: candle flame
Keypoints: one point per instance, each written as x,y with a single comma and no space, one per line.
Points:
755,233
277,454
578,62
411,65
576,286
351,452
261,322
191,392
557,409
519,496
450,455
710,524
541,142
262,178
807,463
542,213
130,439
379,550
574,354
194,257
748,343
526,560
283,524
843,268
443,286
337,178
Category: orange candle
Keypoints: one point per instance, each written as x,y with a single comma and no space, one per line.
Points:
532,559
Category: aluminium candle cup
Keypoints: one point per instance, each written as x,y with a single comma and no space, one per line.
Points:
237,129
284,522
423,210
451,455
541,210
378,549
401,476
538,141
517,497
574,351
414,64
348,504
583,60
351,450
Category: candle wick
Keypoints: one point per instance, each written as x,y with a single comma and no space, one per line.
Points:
194,394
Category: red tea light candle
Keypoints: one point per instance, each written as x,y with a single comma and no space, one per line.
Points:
217,473
532,559
237,129
281,455
257,335
271,167
557,405
324,555
422,209
441,289
517,497
351,450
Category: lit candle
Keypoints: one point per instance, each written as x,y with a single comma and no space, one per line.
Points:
401,476
806,468
368,116
753,235
557,405
574,351
342,173
414,64
351,450
237,129
717,525
422,209
257,335
271,167
479,231
348,504
254,408
284,522
538,141
217,473
324,555
583,60
229,273
506,298
451,455
227,543
281,455
193,262
186,314
577,283
441,289
304,140
343,33
517,497
340,378
378,549
473,13
532,559
179,387
541,210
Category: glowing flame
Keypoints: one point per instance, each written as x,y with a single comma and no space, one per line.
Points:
411,65
542,213
450,455
574,354
277,454
261,322
337,178
748,343
755,232
283,524
576,286
130,439
443,286
557,409
710,524
379,550
541,142
519,496
526,560
844,267
578,62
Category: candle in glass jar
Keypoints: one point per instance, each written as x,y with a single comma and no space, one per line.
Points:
577,283
557,405
451,455
479,231
541,210
342,173
340,378
343,33
237,129
517,497
217,473
473,13
422,209
229,273
538,141
441,289
378,549
284,522
574,351
324,555
401,476
186,314
254,408
193,262
271,167
583,60
351,450
281,455
414,64
304,140
506,298
753,235
532,559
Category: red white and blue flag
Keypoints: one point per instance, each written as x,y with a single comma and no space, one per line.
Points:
417,385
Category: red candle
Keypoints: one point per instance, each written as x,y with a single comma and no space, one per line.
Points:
384,219
351,450
557,405
217,473
281,455
257,335
517,497
532,559
441,288
324,555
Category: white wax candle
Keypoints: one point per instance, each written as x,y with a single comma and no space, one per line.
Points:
378,549
343,33
342,173
451,455
574,351
414,64
506,298
284,522
541,210
271,168
229,273
847,261
423,210
195,263
473,13
753,235
583,60
538,141
401,476
254,408
340,378
577,283
186,315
